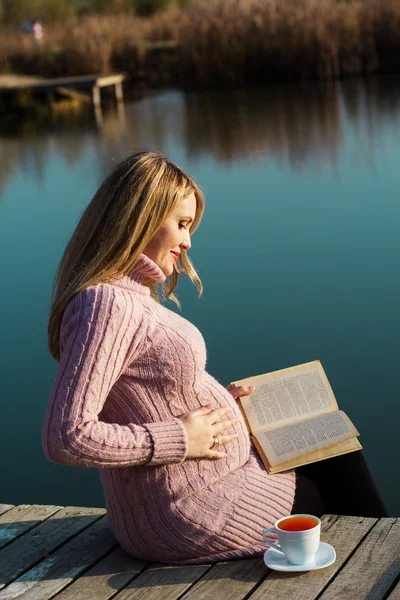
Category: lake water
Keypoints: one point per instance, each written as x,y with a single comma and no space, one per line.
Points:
299,251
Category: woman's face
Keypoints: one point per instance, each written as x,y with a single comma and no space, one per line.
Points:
166,245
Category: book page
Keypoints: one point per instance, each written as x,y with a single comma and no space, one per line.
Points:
285,443
287,396
344,447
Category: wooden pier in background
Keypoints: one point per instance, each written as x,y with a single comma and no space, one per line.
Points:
66,86
70,552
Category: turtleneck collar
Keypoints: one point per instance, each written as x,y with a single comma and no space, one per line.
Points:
145,268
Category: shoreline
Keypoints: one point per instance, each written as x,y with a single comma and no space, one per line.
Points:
35,104
219,44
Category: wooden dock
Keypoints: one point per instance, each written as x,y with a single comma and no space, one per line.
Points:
65,85
69,552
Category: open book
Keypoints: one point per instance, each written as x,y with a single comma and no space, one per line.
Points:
293,418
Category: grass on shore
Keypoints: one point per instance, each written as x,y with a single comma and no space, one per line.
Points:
220,43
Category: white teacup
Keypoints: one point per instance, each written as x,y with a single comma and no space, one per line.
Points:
298,545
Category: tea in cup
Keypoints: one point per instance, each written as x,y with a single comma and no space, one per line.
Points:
298,537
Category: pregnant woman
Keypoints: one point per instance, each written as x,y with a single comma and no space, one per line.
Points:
132,397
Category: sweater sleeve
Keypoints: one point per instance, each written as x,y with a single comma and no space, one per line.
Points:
99,334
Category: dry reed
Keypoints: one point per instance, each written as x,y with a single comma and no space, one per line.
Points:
221,42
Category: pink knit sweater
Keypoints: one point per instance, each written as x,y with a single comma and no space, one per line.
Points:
129,367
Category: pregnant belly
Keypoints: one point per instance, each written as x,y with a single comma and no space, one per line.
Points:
211,391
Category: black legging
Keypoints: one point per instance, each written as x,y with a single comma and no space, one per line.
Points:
342,485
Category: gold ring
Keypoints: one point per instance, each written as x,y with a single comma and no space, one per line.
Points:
216,442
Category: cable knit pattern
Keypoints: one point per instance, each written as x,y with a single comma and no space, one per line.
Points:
129,368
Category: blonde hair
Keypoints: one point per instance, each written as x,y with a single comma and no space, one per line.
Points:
125,213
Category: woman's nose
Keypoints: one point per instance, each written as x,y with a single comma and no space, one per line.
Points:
186,244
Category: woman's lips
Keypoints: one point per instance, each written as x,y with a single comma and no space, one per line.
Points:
175,255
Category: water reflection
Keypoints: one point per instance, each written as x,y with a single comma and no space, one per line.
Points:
292,124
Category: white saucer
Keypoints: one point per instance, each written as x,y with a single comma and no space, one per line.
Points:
276,560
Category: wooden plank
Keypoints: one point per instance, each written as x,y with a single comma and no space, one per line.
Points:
28,549
119,93
374,567
162,582
395,595
9,82
5,507
345,534
21,519
96,96
113,573
56,571
104,81
231,580
80,81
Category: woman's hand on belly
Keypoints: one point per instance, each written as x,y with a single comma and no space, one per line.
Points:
202,427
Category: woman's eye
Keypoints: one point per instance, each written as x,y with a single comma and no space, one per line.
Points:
182,225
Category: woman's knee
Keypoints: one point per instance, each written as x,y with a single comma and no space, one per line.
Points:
307,499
